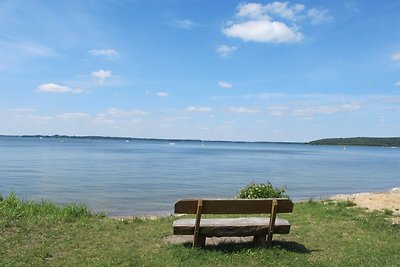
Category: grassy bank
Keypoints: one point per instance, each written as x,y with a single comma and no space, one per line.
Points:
323,233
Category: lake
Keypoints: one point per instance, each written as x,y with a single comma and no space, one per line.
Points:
139,177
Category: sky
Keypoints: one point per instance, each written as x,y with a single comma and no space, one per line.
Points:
200,69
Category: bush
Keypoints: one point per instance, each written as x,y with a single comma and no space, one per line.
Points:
262,191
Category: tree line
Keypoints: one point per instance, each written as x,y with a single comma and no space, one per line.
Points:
359,141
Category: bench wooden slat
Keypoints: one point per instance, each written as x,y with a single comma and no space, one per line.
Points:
231,226
233,206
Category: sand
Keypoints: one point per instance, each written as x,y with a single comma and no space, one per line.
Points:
377,201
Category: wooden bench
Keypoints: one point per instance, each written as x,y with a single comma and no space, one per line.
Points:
259,227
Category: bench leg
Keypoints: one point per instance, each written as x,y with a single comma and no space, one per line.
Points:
269,240
260,240
200,241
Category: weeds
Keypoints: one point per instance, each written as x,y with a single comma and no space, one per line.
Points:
262,191
14,208
388,212
346,203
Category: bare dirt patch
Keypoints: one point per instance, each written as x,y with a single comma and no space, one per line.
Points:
188,239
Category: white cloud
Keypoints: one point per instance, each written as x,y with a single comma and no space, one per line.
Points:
34,50
184,24
73,116
264,12
101,119
352,6
396,56
310,110
53,88
225,50
199,109
103,52
251,10
264,31
283,10
225,84
102,75
159,94
162,94
277,111
56,88
269,23
77,91
318,16
397,83
349,106
121,112
391,100
244,110
22,110
39,118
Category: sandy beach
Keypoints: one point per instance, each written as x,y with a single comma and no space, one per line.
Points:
377,201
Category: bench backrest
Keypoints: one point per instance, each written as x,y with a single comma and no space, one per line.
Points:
234,206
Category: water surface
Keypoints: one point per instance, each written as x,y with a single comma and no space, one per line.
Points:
148,176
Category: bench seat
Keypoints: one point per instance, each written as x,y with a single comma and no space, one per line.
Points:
249,226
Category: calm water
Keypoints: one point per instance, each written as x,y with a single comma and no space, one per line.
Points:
147,177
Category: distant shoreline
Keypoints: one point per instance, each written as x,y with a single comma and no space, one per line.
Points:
350,141
359,141
97,137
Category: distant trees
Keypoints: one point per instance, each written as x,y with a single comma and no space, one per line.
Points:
359,141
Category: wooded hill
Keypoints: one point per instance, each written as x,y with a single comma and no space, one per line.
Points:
359,141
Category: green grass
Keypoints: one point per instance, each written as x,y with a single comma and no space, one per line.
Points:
322,234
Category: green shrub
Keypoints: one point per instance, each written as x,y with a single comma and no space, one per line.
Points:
254,190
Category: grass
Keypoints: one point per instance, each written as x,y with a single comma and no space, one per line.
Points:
322,234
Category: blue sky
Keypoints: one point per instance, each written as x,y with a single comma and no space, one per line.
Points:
219,70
